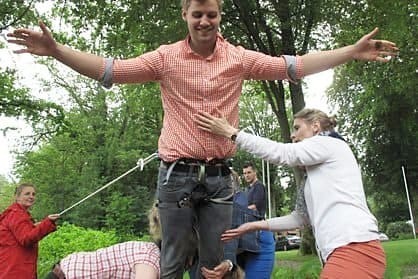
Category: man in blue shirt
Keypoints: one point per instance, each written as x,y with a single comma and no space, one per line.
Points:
256,191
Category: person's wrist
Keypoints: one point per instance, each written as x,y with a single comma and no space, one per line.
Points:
230,264
57,50
260,225
351,52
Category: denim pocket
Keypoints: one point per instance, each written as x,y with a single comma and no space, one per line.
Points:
174,187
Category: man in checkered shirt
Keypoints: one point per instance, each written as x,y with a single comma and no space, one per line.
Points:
127,260
203,72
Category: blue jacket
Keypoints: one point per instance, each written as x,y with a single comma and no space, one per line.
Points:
242,214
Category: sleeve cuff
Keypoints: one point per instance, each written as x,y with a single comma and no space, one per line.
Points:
293,67
107,78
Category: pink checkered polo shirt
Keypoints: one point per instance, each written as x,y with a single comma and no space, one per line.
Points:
113,262
190,83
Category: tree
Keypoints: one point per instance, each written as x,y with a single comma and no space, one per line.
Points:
16,101
13,13
98,144
378,104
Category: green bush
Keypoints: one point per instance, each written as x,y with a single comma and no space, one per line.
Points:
69,239
399,229
403,236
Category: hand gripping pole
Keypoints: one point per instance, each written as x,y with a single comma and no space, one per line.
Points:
140,164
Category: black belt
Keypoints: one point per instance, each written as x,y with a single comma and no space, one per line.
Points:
212,168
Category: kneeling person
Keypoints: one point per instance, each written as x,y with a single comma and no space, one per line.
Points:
133,259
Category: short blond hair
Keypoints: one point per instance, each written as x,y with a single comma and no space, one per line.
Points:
154,223
21,186
236,273
309,115
185,4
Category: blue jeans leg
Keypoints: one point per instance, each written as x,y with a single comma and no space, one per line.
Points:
214,218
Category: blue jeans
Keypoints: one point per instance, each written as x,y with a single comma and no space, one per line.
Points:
260,265
208,218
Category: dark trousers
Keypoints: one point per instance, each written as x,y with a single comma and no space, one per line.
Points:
206,213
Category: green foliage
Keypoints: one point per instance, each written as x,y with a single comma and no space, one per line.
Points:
6,193
399,230
13,13
377,104
124,29
118,211
16,101
104,135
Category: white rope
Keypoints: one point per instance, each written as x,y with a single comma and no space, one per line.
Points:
140,164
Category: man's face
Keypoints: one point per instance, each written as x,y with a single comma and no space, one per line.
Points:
202,21
303,130
249,175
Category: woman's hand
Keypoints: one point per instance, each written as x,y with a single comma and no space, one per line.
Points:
368,49
235,233
218,126
244,228
39,43
53,217
217,273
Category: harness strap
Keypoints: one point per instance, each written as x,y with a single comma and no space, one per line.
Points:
169,171
187,202
224,200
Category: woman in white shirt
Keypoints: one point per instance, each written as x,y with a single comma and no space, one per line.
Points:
333,200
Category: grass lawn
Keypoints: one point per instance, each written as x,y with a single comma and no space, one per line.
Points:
401,256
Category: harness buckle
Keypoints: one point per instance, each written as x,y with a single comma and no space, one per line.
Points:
184,202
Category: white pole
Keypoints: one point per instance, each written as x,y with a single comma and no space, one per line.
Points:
263,170
409,202
268,188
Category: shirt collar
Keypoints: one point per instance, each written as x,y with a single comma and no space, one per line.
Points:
331,134
218,45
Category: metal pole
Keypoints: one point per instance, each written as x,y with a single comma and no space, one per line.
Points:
140,164
268,188
409,202
264,175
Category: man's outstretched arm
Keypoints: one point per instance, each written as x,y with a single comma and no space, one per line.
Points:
365,49
43,44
